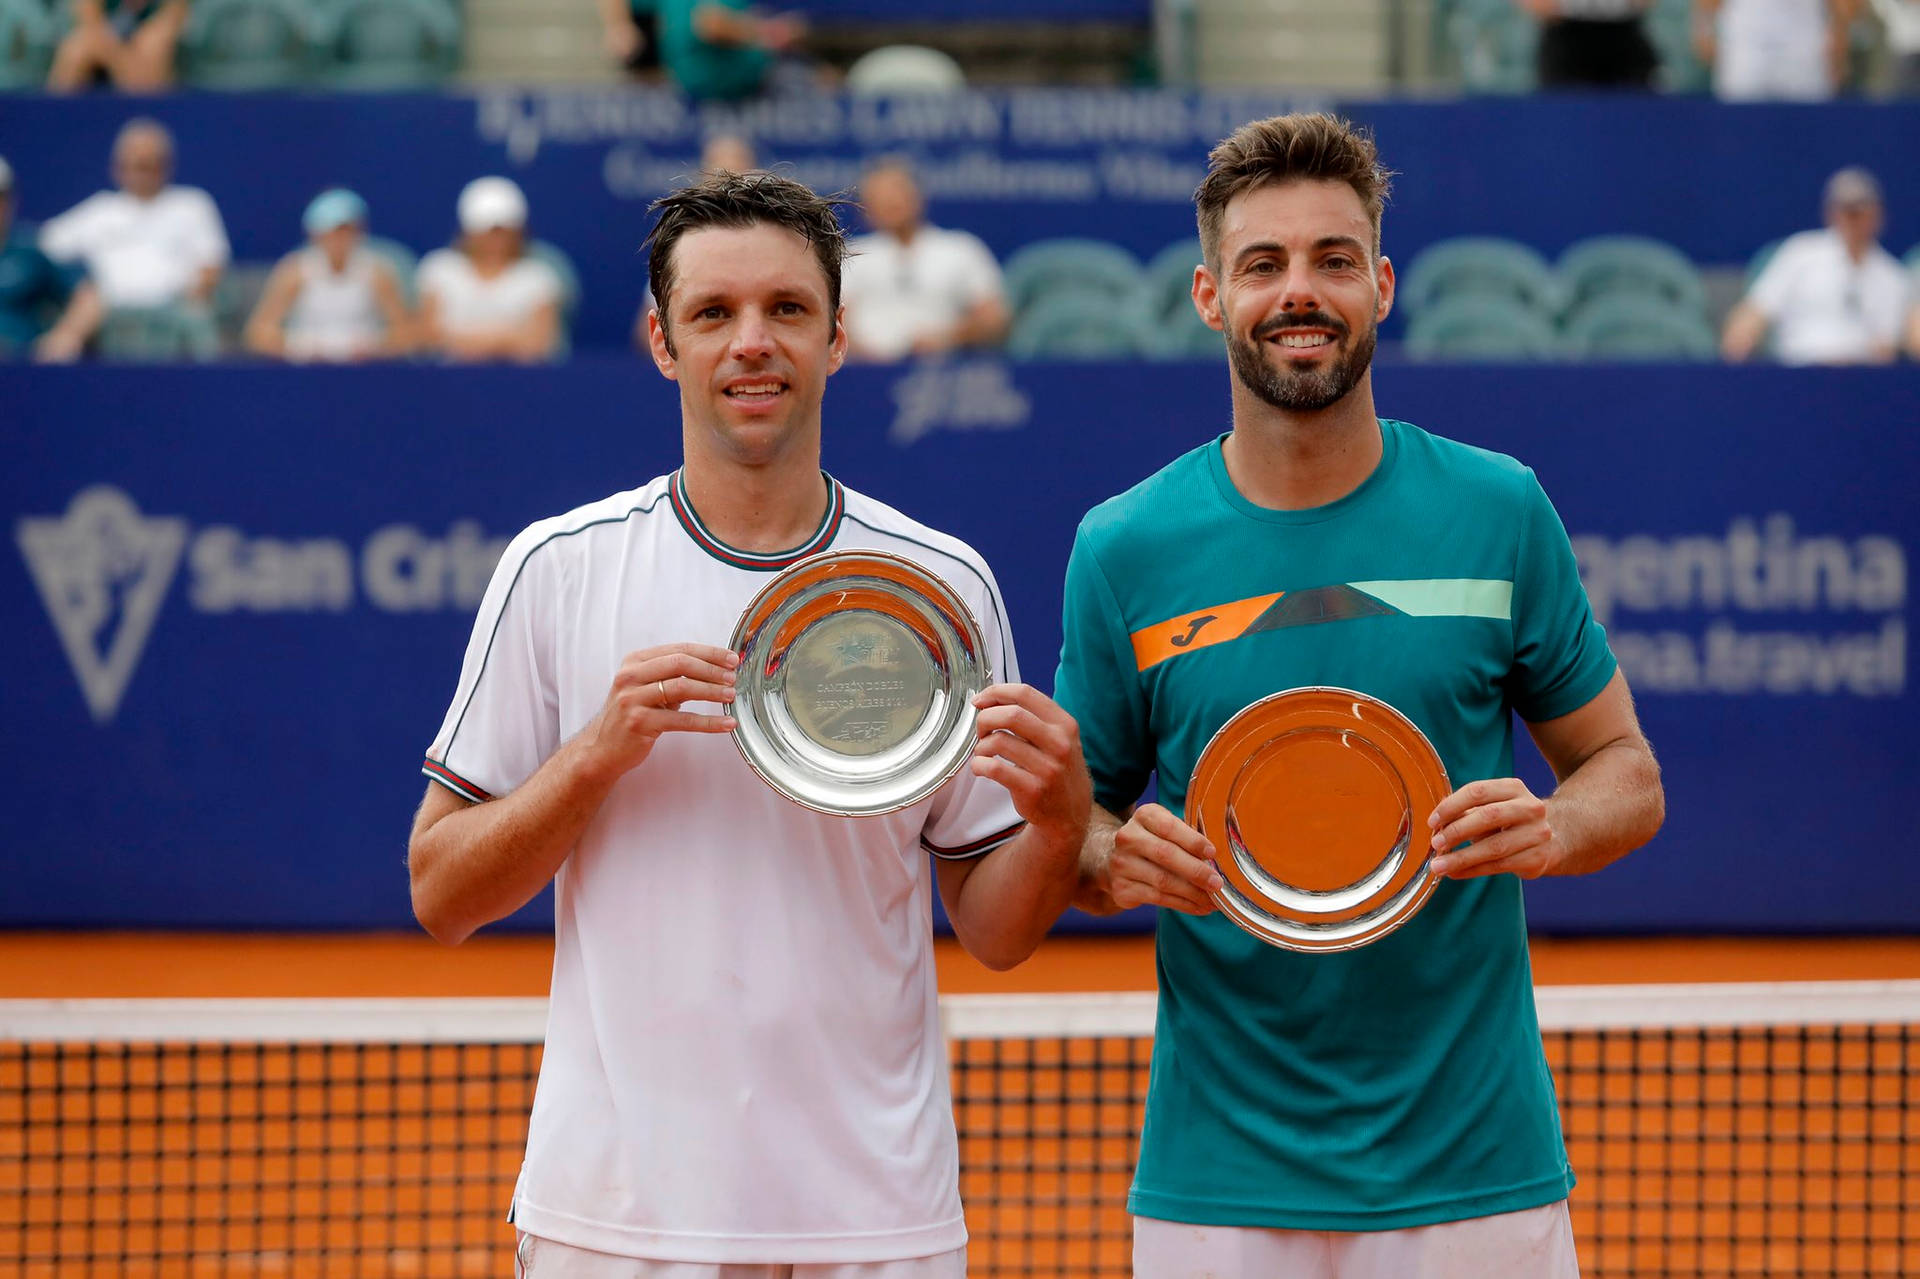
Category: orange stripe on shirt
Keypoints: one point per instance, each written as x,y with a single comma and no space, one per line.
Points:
1198,629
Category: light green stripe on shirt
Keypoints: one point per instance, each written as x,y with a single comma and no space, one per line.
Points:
1445,596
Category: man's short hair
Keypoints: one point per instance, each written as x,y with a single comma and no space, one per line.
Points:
147,125
741,200
1289,148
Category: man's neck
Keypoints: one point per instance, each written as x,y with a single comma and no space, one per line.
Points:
1288,461
758,508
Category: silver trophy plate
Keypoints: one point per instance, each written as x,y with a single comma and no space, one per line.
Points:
856,682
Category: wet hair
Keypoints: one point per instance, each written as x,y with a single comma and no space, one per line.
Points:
741,200
1289,148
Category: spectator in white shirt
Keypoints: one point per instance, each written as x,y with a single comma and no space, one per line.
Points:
1832,296
335,300
912,288
485,298
149,244
1759,50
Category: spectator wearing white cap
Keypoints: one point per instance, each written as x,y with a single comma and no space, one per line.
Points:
335,300
150,243
486,298
1832,296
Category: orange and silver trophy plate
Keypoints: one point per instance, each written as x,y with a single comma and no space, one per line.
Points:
856,682
1316,800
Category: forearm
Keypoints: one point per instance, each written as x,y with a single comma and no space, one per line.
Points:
1009,901
1094,891
1745,328
1609,806
483,862
982,325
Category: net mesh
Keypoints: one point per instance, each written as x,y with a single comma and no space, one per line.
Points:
1725,1130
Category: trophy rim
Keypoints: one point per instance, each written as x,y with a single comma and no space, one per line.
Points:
905,579
1301,707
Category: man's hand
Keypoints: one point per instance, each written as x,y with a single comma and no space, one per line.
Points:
1155,859
645,701
1031,746
1504,826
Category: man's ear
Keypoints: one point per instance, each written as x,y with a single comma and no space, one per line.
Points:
1383,281
660,345
1206,298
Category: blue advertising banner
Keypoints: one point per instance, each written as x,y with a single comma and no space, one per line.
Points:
1016,166
236,600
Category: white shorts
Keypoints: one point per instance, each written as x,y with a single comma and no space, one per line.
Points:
1534,1243
537,1258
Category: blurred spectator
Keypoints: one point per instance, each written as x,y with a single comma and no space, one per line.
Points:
723,49
1593,44
1901,18
1832,296
911,287
486,298
336,300
1766,49
33,290
126,43
630,29
148,245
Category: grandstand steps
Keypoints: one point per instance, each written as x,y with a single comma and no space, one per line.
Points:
534,42
1289,44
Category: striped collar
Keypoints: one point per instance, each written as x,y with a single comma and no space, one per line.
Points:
758,561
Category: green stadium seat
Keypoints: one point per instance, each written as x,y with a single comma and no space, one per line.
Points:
246,44
1071,264
1629,326
1669,27
1606,264
235,297
1480,266
1169,278
1912,259
1495,44
1075,326
387,44
156,335
27,38
1181,336
1481,327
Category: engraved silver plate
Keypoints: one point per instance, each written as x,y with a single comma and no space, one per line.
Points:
857,676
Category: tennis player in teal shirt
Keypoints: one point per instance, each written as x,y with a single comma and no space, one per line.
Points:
1384,1111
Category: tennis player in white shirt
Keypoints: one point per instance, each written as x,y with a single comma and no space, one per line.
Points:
744,1076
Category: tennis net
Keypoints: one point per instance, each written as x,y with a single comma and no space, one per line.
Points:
1716,1130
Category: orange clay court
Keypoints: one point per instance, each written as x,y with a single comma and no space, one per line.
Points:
1699,1153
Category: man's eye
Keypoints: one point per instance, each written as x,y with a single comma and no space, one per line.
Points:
712,313
1338,263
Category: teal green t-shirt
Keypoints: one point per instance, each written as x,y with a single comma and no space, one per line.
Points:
704,69
1402,1083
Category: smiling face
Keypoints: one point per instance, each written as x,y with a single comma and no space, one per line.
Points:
1298,292
750,338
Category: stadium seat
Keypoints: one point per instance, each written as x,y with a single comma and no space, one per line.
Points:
26,43
1480,266
1630,326
1073,265
386,44
235,297
1912,259
246,44
1481,327
1669,26
1168,279
1607,264
1075,326
1495,44
158,335
896,69
1181,336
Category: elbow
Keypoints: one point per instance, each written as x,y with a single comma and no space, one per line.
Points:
430,908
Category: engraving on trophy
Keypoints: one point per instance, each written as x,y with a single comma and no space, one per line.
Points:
859,682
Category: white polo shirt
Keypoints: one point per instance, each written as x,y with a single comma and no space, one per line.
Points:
1825,307
743,1058
472,303
896,293
140,253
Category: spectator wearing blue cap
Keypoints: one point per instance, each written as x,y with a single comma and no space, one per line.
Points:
335,300
35,293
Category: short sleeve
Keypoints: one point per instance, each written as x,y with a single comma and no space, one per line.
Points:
67,238
972,816
504,720
1099,684
431,279
1561,660
540,285
1773,290
209,234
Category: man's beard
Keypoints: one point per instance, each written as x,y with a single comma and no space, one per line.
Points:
1301,390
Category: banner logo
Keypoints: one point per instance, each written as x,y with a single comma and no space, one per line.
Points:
102,570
